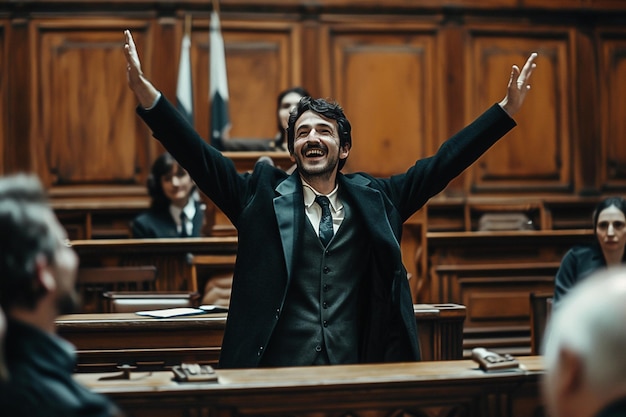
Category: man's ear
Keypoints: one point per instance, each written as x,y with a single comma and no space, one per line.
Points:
345,151
571,379
44,277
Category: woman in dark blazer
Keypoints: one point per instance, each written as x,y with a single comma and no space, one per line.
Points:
174,212
609,225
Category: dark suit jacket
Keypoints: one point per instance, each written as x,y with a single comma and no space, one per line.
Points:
267,208
157,223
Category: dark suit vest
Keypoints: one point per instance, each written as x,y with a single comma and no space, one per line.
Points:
320,321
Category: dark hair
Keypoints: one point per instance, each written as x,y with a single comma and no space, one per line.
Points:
298,90
618,202
329,110
162,166
25,234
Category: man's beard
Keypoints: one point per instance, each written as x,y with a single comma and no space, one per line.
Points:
68,303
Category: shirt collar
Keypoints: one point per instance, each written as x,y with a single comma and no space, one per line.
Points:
189,209
310,194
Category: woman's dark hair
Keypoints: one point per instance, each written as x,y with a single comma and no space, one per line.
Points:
162,166
327,109
618,202
298,90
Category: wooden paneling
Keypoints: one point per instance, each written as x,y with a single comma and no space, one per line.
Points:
262,59
385,80
170,256
86,128
612,51
408,75
536,154
493,274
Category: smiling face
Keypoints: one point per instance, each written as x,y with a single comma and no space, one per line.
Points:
177,185
316,146
611,230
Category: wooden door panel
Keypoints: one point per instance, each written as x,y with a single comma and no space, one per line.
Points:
613,90
260,62
536,154
386,84
86,129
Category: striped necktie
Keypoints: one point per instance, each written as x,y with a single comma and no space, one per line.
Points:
326,222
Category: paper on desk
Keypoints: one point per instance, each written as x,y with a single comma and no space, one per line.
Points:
210,308
171,312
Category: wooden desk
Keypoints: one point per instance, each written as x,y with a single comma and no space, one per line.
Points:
104,341
170,256
445,388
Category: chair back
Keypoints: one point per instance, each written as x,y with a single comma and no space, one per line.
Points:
93,282
540,309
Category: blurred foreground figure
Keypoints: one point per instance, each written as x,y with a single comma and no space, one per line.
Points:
37,284
585,349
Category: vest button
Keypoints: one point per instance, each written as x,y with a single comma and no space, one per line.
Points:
326,270
325,287
327,252
318,348
325,304
260,351
325,323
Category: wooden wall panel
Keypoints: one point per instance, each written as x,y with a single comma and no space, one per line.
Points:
386,82
612,50
262,60
536,154
86,127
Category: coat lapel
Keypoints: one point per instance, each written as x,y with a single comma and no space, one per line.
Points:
370,205
289,211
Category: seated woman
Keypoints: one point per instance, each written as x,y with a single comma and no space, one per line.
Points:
175,211
286,102
609,223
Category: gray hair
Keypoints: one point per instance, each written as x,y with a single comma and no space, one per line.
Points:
590,323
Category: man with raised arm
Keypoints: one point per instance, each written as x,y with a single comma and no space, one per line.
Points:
319,278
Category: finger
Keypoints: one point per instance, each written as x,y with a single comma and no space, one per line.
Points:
514,75
129,39
529,66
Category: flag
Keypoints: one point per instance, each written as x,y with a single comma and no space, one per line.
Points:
218,86
184,94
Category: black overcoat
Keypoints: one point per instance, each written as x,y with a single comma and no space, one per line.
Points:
267,208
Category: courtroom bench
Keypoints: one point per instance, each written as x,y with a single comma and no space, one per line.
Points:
105,341
170,256
546,212
443,388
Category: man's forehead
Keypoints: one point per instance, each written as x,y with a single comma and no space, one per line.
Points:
310,118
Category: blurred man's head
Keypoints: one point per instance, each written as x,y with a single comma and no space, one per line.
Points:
37,266
585,345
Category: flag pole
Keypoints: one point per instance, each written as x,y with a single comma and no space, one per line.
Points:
187,26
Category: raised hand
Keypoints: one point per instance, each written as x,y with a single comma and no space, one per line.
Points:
518,86
144,90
